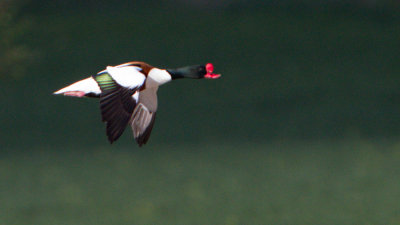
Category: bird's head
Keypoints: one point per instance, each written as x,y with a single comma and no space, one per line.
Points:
194,72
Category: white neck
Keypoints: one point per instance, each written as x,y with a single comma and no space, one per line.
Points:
157,77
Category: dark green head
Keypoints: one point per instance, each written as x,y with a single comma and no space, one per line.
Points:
194,72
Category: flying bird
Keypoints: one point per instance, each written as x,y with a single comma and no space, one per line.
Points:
128,94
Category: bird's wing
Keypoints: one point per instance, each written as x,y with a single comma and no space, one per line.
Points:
126,76
117,99
144,115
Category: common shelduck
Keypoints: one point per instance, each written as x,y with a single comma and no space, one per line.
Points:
128,94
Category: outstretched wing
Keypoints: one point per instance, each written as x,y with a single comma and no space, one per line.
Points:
144,115
142,123
116,104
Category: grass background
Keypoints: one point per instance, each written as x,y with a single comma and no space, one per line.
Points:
325,182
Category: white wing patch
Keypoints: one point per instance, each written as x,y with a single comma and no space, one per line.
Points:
127,76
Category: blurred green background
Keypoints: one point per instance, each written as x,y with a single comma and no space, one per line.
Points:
302,128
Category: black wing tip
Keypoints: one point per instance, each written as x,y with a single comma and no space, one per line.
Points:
111,140
141,140
113,136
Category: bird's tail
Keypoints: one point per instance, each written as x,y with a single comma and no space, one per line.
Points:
87,87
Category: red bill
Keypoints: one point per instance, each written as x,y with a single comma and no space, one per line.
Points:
210,74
